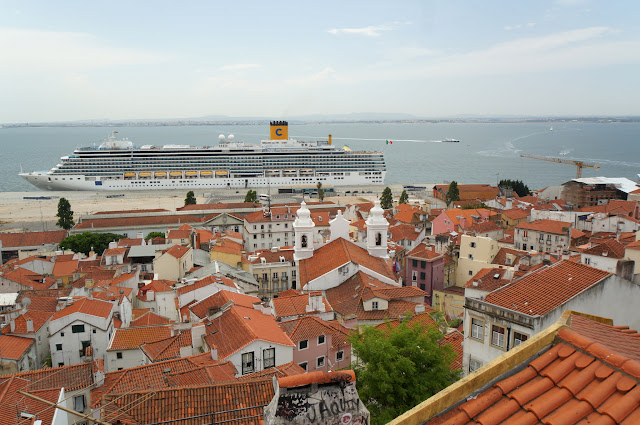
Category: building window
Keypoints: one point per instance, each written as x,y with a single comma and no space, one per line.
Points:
321,339
119,355
269,357
423,275
303,345
423,264
477,329
58,347
320,362
472,244
587,261
247,363
474,365
340,356
303,365
414,263
519,338
414,275
76,329
471,257
470,272
374,305
78,403
93,331
497,336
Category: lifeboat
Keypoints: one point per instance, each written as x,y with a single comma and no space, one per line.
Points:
290,172
129,176
191,173
222,173
306,172
160,174
206,173
144,174
176,174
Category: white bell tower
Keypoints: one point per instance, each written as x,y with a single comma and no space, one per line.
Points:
303,230
377,228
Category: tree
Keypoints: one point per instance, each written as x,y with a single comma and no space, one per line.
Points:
400,367
65,214
152,235
404,197
517,185
320,192
87,242
386,199
190,199
252,196
474,206
453,194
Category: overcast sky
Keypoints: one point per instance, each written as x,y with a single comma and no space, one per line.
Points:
63,60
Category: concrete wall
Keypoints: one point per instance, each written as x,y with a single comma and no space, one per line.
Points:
130,358
61,332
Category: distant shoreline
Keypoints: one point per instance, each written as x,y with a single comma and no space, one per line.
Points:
188,122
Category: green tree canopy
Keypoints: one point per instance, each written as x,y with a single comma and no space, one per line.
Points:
453,194
252,196
386,199
400,367
474,206
320,192
65,214
404,197
84,242
517,185
190,199
152,235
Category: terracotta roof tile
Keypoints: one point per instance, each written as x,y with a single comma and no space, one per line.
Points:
205,281
485,226
39,319
149,319
227,246
216,301
607,248
160,220
14,347
547,226
238,326
29,279
422,251
401,232
295,305
272,256
132,338
178,251
64,268
488,279
219,206
129,242
72,377
516,213
11,240
559,283
335,254
287,369
86,306
139,312
311,327
168,348
504,253
12,403
160,285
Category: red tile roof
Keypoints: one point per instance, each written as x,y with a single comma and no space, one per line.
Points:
160,220
14,347
558,283
516,213
160,285
16,240
29,279
607,248
295,305
12,403
206,281
335,254
129,242
547,226
272,256
72,377
178,251
115,251
485,226
227,246
151,210
455,340
287,369
149,319
179,234
132,338
422,251
239,326
219,206
139,312
168,348
216,301
590,375
488,280
86,306
64,268
404,232
39,319
504,253
233,403
346,299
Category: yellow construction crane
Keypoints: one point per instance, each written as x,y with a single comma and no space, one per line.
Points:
579,164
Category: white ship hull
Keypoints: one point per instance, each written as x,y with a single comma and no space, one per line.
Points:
47,181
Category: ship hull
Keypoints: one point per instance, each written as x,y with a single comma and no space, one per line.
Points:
57,182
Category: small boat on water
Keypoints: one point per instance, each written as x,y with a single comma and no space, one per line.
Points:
451,141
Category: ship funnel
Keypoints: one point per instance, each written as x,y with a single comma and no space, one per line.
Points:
279,130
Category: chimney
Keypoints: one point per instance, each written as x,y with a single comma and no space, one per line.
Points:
113,244
315,302
140,235
214,353
197,332
419,308
12,324
29,325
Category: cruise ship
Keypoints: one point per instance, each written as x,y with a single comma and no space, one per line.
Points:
279,161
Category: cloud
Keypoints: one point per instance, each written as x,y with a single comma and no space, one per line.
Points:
239,66
36,50
370,31
519,26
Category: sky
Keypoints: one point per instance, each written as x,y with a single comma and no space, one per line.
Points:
79,60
